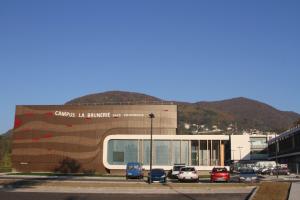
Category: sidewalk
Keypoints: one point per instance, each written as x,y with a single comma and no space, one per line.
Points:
292,177
295,191
7,176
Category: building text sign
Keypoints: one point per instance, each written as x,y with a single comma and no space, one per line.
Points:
96,114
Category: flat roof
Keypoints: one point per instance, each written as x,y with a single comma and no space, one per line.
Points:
285,134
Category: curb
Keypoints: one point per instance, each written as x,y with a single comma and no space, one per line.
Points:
61,177
288,195
253,193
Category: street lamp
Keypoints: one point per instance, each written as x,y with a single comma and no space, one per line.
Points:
151,116
276,158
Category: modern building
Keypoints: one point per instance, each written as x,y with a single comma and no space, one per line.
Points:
249,147
103,138
285,148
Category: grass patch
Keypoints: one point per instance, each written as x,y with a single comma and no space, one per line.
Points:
5,169
204,176
272,191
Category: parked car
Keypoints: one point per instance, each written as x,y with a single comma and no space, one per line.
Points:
248,175
157,175
188,173
264,171
262,166
280,171
176,170
134,170
219,174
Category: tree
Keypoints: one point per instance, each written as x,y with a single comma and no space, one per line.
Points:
297,122
68,165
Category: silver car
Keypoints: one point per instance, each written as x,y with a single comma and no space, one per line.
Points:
176,170
248,175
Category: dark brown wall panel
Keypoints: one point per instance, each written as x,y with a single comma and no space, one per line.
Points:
42,137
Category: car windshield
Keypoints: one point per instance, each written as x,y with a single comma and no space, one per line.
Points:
187,169
157,171
177,168
130,167
219,170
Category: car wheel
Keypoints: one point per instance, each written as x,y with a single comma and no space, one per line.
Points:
126,177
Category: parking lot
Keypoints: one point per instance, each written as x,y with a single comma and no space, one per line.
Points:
74,187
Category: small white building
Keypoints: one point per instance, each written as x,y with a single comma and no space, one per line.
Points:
249,146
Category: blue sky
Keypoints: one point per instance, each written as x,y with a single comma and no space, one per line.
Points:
53,51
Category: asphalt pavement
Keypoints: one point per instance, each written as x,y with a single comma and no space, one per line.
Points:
234,178
76,196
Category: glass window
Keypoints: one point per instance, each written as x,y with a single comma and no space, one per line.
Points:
185,152
209,153
258,143
175,152
194,155
121,152
215,152
219,170
118,156
146,152
162,152
203,152
188,169
131,167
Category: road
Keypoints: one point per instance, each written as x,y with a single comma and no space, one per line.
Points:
233,179
76,196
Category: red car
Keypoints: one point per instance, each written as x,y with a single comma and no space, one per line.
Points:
219,174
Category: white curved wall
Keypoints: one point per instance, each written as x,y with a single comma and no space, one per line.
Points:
157,137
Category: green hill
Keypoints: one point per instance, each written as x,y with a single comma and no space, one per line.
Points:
242,112
245,113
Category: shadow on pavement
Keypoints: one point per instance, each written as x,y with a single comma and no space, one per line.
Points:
29,183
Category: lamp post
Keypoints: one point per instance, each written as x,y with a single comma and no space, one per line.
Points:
151,116
276,144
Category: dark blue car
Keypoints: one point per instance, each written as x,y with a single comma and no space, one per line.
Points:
134,170
157,175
